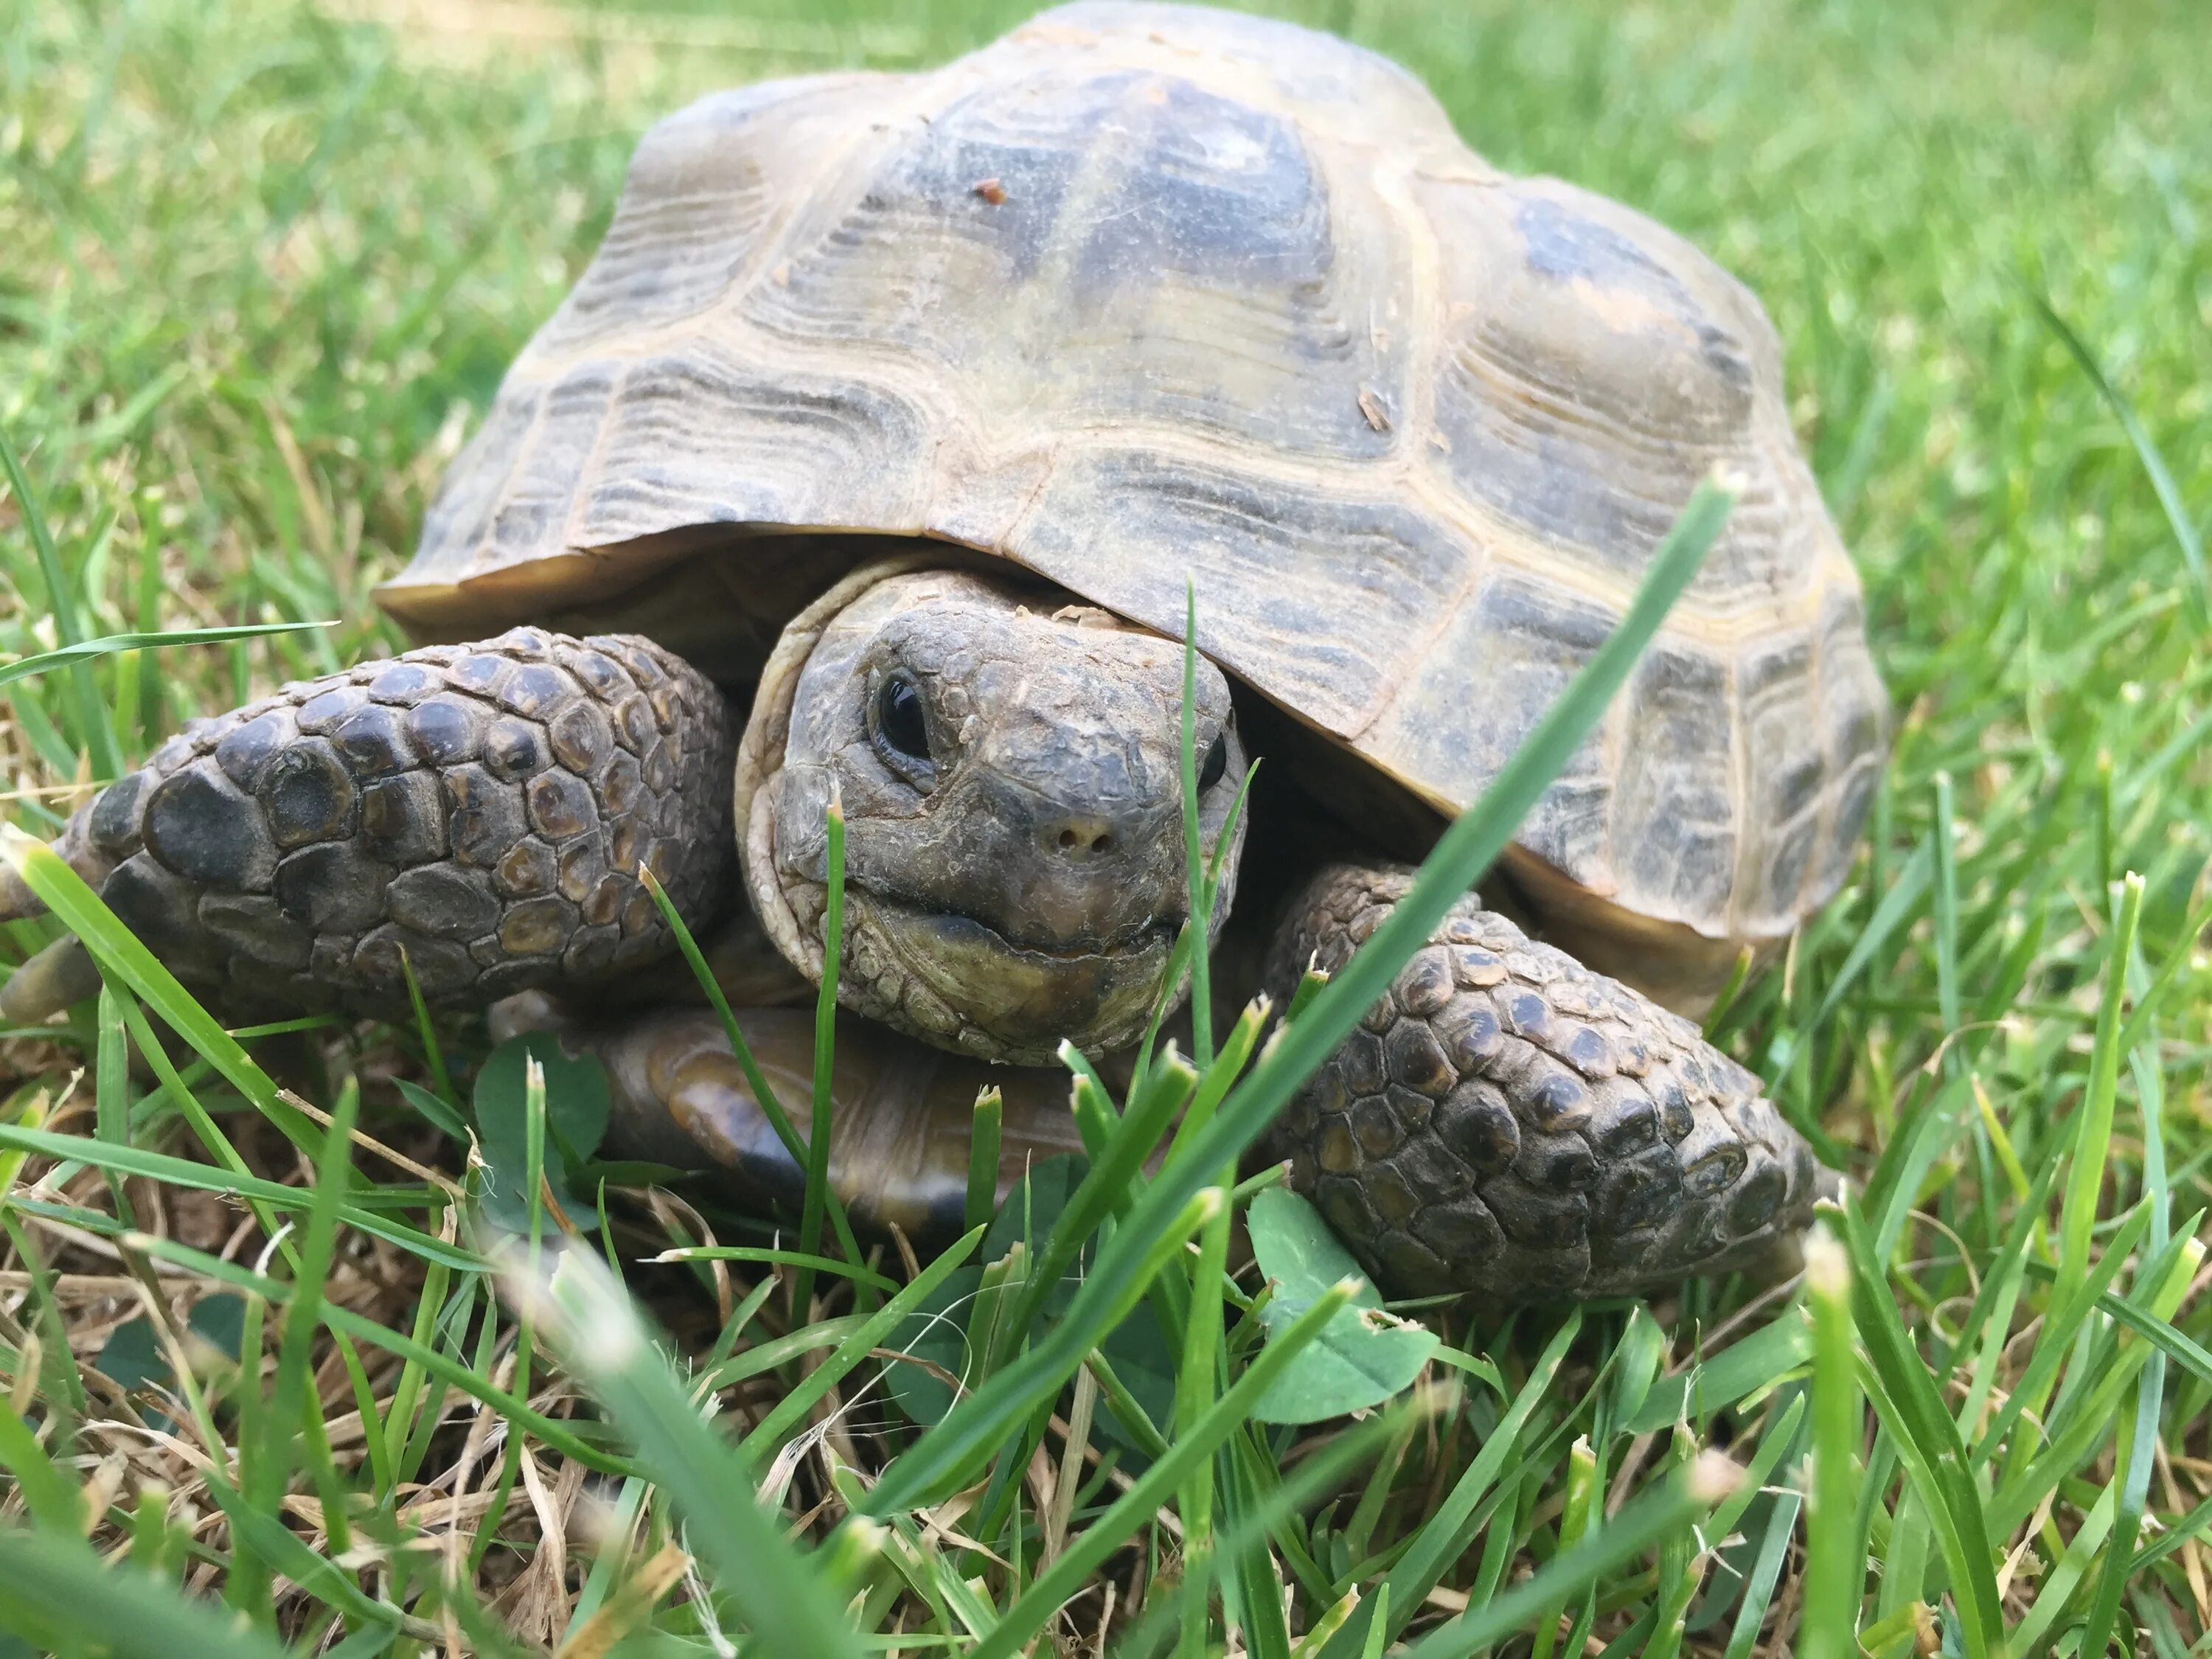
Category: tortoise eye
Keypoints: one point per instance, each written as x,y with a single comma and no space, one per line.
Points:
899,719
1215,763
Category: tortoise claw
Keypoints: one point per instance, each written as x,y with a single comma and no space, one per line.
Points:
18,901
58,977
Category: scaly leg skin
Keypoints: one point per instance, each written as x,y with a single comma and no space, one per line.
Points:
903,1112
1508,1122
482,808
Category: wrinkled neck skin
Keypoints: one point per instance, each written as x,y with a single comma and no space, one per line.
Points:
1009,767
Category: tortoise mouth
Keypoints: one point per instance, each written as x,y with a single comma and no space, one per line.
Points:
1042,941
1013,1001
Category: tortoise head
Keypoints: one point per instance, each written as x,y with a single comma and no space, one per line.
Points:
1009,771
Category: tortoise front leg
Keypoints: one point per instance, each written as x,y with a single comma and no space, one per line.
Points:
903,1112
481,810
1507,1121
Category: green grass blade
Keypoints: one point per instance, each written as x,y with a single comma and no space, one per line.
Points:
56,1593
433,1053
472,1380
2186,1254
85,651
1446,1534
2084,1184
1835,1571
119,952
1052,1588
1944,840
821,1127
1197,1383
1895,910
2131,1485
112,1093
2161,477
767,1256
973,1428
2061,1325
777,1590
1115,1173
790,1411
983,1157
1310,1481
1201,984
61,604
1766,1573
1953,1501
182,1172
295,1355
764,1095
1760,1360
51,1496
1655,1515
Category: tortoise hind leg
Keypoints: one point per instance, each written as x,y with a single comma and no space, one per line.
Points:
479,811
1507,1121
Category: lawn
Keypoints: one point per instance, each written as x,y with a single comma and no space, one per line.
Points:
261,268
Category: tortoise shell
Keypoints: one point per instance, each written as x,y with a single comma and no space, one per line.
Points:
1140,294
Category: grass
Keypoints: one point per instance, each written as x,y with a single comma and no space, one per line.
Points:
265,268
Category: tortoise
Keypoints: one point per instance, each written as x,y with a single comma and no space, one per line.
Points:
870,465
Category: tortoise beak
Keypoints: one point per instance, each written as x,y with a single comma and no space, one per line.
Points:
1017,1004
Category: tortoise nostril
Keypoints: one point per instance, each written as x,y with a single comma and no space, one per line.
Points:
1080,837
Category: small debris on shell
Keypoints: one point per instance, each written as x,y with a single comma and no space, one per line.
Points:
991,191
1371,407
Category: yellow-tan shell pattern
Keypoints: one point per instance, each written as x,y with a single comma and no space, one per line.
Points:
1140,294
